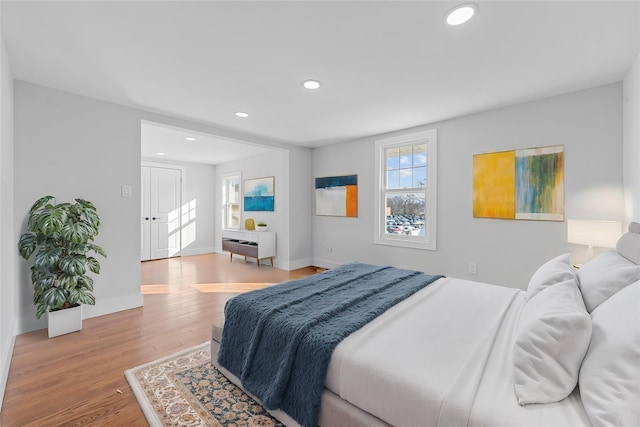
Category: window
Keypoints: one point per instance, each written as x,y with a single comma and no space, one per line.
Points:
406,194
231,200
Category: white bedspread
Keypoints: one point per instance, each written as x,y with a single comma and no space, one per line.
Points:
443,358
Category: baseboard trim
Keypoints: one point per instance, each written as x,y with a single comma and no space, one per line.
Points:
5,358
113,305
325,264
102,307
197,251
300,263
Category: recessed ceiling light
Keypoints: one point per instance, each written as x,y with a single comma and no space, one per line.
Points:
242,114
311,84
160,154
461,14
190,138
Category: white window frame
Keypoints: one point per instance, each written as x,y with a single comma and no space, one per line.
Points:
225,200
428,242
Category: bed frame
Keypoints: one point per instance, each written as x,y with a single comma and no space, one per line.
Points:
334,411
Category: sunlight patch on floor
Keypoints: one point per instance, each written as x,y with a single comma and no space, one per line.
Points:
228,287
158,289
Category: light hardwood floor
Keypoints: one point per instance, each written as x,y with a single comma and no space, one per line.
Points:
78,379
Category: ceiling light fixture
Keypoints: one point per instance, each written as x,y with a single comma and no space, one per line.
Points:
461,14
242,114
311,84
190,138
160,154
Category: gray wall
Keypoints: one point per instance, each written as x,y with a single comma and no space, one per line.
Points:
70,147
631,129
588,123
300,208
198,186
8,241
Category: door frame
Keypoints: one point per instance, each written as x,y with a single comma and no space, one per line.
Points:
182,169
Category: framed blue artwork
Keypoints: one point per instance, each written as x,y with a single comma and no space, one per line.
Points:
259,194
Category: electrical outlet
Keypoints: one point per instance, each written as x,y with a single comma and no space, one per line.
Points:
329,249
473,268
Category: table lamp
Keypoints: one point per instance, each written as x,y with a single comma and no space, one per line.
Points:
604,234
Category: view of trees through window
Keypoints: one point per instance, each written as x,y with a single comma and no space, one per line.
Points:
406,169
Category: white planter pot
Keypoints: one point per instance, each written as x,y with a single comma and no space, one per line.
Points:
64,321
261,228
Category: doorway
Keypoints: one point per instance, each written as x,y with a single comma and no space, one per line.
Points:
160,222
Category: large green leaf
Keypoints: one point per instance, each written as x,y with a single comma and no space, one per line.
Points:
80,296
77,248
39,203
85,282
77,232
42,308
67,281
54,297
86,204
27,244
49,219
96,249
90,216
73,264
94,265
44,282
47,258
37,296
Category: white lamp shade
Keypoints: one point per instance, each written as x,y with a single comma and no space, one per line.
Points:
604,234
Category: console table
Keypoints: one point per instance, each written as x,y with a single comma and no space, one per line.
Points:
253,244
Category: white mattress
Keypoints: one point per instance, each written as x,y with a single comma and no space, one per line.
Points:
443,358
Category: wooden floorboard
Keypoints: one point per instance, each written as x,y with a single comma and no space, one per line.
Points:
78,379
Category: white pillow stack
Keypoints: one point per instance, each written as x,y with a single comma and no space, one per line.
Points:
558,342
605,275
551,272
552,339
610,373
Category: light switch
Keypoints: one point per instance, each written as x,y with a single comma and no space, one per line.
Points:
126,191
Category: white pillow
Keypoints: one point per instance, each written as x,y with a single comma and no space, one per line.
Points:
610,374
605,275
551,341
551,272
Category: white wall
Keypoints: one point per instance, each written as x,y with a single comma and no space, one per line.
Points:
588,123
8,241
198,205
631,131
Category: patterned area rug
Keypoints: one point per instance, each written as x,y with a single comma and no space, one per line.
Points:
185,389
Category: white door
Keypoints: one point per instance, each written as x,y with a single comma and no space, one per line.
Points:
145,225
162,196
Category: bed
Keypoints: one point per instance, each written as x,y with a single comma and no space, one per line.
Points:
565,352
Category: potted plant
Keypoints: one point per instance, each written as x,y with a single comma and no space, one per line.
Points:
261,226
61,237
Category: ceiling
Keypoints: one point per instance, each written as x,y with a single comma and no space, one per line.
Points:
383,65
160,141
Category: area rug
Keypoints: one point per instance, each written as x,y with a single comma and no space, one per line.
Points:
185,389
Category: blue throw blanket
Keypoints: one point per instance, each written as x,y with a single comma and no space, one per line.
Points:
279,340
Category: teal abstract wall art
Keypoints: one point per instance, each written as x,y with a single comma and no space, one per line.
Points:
540,183
259,194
